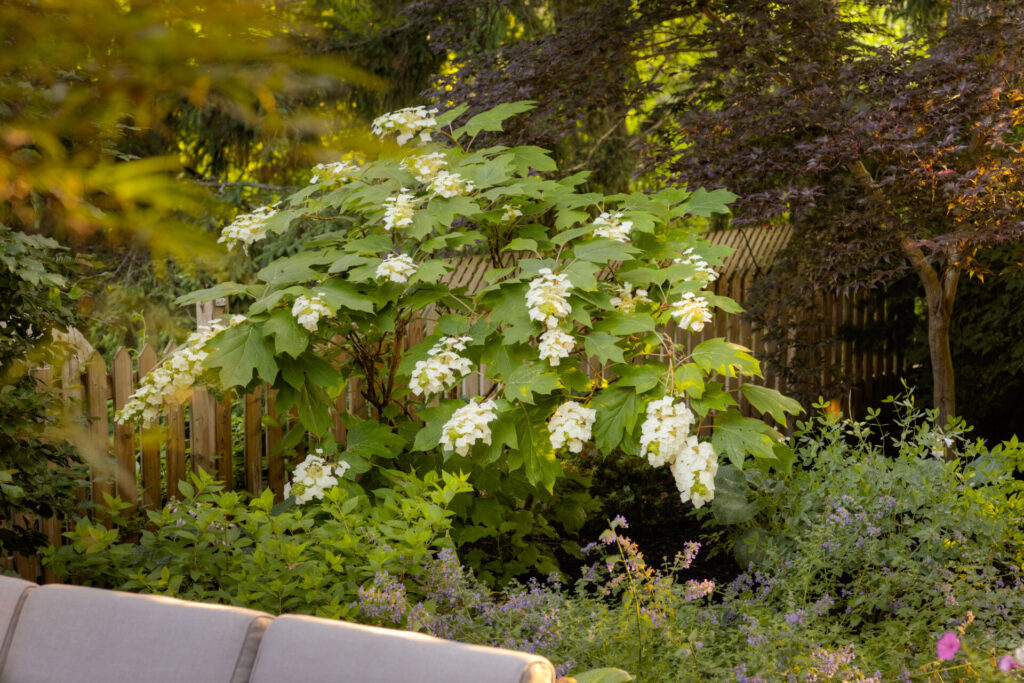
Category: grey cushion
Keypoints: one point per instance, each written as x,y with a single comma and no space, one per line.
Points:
309,650
12,594
88,635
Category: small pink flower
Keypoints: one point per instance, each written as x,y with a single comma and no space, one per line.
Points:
1007,664
947,646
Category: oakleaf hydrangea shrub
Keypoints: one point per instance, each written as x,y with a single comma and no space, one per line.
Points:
575,280
221,546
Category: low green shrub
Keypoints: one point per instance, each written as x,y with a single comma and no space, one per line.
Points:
215,546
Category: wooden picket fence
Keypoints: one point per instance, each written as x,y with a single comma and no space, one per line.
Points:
144,466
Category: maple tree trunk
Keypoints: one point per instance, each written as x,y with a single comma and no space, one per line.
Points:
940,284
939,315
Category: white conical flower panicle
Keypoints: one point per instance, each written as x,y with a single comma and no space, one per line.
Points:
172,381
546,298
450,185
425,166
443,368
246,228
314,476
571,426
626,298
663,434
334,172
397,268
705,273
511,213
467,426
398,210
612,226
309,309
407,123
555,345
694,470
692,312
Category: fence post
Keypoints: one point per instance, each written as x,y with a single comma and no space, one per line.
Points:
150,438
203,417
97,392
124,434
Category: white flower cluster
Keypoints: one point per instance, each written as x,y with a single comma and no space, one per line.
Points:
309,309
443,367
425,166
172,381
246,228
313,476
511,213
692,312
626,299
450,185
398,210
397,268
665,439
663,434
705,273
467,425
555,345
694,470
571,424
546,298
612,226
407,123
334,172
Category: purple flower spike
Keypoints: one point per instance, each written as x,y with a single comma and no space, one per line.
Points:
947,646
1007,664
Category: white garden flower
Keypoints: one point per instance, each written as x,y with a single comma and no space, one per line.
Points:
467,426
664,433
442,369
425,166
171,382
397,268
555,345
407,123
309,309
571,425
450,185
612,226
246,228
398,210
705,273
626,299
692,312
546,298
511,213
313,476
334,172
694,470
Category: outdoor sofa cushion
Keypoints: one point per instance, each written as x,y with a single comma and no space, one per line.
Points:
12,595
310,650
68,634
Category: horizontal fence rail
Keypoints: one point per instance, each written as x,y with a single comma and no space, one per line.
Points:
230,437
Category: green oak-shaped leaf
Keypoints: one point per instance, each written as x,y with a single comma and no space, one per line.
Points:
238,351
704,203
725,358
735,436
529,379
603,346
617,410
604,250
771,402
289,336
607,675
539,462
